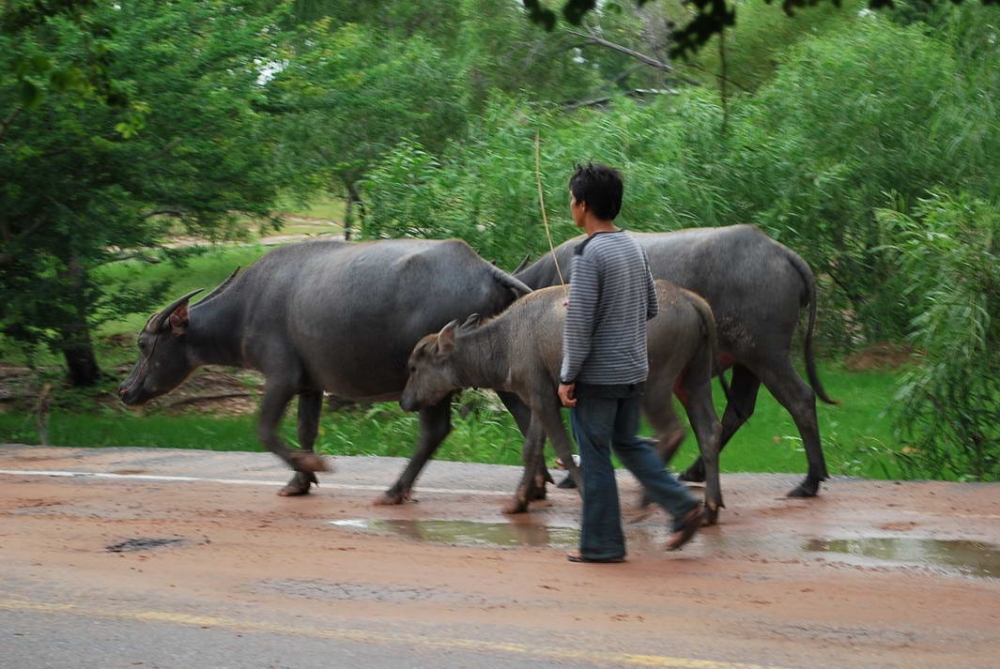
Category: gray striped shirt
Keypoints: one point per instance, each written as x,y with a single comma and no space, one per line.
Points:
611,298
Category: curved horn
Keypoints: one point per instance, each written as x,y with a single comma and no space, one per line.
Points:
156,320
221,287
513,283
471,322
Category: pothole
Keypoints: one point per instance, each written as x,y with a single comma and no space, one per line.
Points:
141,544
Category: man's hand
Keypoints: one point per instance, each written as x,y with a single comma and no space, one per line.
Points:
567,394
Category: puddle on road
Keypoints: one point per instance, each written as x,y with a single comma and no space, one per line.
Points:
966,558
970,558
469,532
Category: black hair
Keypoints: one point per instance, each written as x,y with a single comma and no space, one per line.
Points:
601,187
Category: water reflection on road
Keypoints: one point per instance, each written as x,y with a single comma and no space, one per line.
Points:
966,558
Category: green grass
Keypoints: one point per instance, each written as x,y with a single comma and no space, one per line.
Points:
857,437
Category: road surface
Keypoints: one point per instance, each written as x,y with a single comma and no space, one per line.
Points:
142,558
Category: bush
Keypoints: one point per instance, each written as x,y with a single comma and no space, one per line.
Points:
949,404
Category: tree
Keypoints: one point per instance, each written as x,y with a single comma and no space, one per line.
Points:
349,95
158,131
707,18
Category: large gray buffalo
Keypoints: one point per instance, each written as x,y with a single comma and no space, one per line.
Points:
331,316
756,288
520,351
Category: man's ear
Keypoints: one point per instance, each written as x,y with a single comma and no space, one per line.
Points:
179,320
446,338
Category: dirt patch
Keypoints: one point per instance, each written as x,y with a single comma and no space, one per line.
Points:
880,357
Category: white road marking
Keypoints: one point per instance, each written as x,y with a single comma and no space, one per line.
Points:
198,479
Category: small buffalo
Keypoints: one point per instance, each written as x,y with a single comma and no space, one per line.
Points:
339,317
756,288
520,351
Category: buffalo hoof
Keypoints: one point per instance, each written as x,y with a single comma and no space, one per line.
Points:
536,493
299,485
710,515
517,505
808,488
391,498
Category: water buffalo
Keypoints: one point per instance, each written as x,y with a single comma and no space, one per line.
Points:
339,317
520,351
755,287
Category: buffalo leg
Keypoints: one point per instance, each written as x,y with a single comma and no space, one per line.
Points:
743,391
708,430
276,398
545,406
435,424
310,405
800,401
532,452
522,416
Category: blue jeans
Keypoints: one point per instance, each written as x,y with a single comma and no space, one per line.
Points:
598,425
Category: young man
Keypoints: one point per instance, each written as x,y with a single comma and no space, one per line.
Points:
604,369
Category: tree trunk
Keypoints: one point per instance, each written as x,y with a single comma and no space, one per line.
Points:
77,346
82,364
353,199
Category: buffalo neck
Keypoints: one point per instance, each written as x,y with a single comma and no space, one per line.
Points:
481,358
215,332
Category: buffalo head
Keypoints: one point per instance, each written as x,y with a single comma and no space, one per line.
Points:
164,356
432,376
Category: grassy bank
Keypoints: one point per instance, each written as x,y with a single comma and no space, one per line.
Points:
857,436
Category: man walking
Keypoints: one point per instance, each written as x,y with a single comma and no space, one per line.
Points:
604,370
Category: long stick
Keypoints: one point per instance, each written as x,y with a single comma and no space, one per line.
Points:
541,202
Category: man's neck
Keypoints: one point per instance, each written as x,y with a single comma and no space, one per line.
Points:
592,226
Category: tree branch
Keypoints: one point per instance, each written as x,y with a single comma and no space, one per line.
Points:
641,57
164,212
648,60
166,149
133,256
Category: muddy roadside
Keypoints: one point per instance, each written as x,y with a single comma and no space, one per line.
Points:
870,574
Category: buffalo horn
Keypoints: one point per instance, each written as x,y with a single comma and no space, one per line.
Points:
512,283
221,287
156,321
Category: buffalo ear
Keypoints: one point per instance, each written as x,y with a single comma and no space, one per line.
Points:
472,322
446,338
179,320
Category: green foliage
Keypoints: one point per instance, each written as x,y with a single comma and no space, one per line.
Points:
849,119
175,139
754,46
949,405
349,94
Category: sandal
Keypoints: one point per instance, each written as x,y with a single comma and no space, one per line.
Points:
574,557
688,527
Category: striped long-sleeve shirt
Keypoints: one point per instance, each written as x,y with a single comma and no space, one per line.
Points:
611,298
